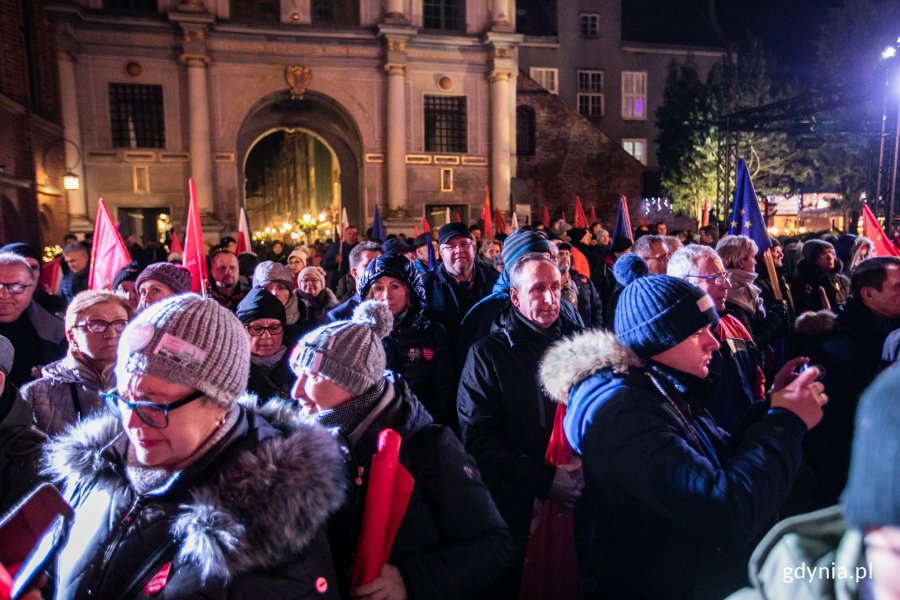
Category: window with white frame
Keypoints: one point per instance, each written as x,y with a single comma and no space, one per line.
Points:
590,24
637,148
548,78
590,93
634,95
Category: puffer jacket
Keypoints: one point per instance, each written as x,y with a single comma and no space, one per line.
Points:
452,543
671,503
247,520
66,394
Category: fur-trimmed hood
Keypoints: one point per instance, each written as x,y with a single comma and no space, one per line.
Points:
570,361
258,511
815,323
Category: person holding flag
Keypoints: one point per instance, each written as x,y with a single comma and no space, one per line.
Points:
451,542
337,259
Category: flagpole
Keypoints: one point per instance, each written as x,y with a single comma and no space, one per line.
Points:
773,276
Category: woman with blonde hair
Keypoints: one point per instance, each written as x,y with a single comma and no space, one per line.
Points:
70,388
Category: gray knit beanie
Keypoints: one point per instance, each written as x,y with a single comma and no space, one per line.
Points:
191,341
657,312
872,495
269,271
176,278
347,353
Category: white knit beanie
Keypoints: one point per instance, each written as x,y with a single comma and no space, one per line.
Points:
191,341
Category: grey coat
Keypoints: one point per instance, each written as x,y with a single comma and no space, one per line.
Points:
65,395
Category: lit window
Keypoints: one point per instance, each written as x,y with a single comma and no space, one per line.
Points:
637,148
548,78
590,93
590,24
634,95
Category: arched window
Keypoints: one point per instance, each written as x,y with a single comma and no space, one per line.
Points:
525,131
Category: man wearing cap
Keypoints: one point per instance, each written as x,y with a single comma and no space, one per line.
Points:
38,336
159,281
20,440
458,283
671,504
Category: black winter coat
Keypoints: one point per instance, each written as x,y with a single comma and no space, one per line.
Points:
669,510
505,417
810,277
269,383
446,305
247,520
452,543
590,308
20,449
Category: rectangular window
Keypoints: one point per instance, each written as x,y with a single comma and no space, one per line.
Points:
445,15
637,148
255,10
634,95
590,93
136,116
548,78
445,124
590,24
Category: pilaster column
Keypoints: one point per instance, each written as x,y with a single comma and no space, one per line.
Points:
75,154
502,15
396,136
394,11
195,58
500,145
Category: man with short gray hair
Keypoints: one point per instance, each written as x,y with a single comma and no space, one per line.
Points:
505,417
78,260
653,250
38,336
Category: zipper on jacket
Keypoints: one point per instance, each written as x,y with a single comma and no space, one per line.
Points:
114,543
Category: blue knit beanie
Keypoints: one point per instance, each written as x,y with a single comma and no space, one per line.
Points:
628,268
872,495
522,241
658,312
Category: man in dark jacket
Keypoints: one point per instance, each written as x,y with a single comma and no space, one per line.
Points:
451,543
849,347
38,336
585,297
359,258
20,440
458,283
505,418
336,261
671,503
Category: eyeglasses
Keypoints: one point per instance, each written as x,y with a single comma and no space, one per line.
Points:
100,326
458,246
720,280
152,414
258,330
665,256
15,288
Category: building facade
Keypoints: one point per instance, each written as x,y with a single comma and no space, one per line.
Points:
408,105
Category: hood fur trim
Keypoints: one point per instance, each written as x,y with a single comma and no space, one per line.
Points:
262,509
573,360
815,323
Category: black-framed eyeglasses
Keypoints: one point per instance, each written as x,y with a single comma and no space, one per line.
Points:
100,326
458,246
152,414
258,330
15,288
720,280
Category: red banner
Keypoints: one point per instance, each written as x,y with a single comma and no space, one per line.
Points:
488,228
109,254
243,241
873,231
194,247
580,218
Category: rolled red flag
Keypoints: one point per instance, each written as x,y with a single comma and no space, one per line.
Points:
390,486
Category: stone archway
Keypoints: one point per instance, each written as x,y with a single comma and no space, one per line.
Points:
321,116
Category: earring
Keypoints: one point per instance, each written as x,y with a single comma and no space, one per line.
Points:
221,421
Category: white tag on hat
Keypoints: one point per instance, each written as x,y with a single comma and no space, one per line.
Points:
705,303
179,351
137,336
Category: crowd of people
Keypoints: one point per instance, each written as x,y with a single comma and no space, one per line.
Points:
583,416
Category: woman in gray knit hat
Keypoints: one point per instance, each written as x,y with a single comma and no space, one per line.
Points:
179,489
452,542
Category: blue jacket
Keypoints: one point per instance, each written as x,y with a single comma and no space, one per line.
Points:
671,503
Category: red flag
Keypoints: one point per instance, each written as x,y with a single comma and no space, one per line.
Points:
545,218
551,562
500,223
194,249
488,229
243,241
593,215
175,247
873,231
109,254
458,218
390,486
51,275
426,226
415,231
580,217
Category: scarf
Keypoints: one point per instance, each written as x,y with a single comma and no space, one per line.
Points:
350,414
745,293
268,362
291,310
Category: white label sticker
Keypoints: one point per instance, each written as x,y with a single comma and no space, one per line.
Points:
705,303
137,336
179,351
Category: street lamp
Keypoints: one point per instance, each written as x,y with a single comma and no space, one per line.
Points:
71,181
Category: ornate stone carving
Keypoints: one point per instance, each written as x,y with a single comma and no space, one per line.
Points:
396,46
194,35
298,78
502,52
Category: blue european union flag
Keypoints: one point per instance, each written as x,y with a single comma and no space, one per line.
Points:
378,227
745,216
